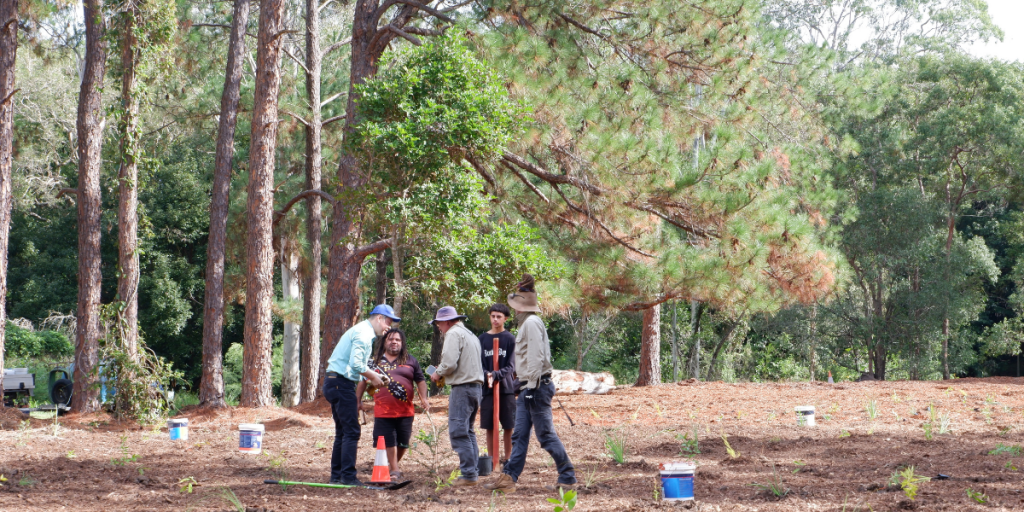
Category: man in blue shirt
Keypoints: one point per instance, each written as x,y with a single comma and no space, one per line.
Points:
346,367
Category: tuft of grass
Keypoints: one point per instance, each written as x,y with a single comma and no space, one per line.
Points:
733,454
945,424
616,446
229,496
774,486
872,409
929,426
1006,449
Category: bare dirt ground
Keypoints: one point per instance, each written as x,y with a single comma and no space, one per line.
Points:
89,463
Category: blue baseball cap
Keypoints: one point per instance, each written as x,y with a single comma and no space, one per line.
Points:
384,309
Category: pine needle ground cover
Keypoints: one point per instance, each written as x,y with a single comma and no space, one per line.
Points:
48,468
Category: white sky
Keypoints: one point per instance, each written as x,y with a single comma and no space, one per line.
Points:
1009,16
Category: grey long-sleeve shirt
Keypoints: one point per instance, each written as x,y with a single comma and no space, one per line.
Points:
533,350
460,357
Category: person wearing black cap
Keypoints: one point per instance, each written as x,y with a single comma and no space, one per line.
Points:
533,407
345,369
462,370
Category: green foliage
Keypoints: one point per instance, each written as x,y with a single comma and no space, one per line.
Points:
908,481
429,107
26,343
565,501
978,496
774,487
1006,449
126,455
689,442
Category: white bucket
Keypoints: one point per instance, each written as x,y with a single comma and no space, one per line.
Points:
805,416
250,438
677,480
178,429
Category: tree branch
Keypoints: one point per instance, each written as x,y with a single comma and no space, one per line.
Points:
8,98
425,8
332,98
603,226
404,35
302,195
67,191
295,116
373,248
548,177
332,119
294,58
335,46
424,31
529,185
482,171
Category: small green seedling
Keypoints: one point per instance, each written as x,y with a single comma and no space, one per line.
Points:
186,484
441,483
2,480
977,496
1010,465
70,454
799,465
690,445
1006,449
126,455
908,481
844,433
565,501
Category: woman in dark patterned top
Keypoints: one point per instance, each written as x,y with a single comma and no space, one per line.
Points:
392,405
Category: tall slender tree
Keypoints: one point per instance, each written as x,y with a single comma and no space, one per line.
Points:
90,145
259,285
211,387
128,183
8,51
650,348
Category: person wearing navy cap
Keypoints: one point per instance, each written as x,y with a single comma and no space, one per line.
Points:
345,369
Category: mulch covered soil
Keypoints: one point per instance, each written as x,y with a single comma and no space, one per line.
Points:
90,463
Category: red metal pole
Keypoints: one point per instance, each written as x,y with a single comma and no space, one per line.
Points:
497,430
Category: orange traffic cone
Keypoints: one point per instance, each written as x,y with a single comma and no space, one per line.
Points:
381,473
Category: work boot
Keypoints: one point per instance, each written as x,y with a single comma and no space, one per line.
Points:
464,482
503,482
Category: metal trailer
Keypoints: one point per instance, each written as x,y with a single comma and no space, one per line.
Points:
18,385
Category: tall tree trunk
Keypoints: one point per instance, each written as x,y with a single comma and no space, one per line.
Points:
259,282
290,341
694,360
346,259
951,229
381,293
675,343
310,336
8,51
650,348
581,339
812,350
211,387
397,268
723,340
128,190
90,145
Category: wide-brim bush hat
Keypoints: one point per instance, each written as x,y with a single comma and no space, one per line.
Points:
385,310
447,313
525,302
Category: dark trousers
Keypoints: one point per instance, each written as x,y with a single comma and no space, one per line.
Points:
463,404
534,410
341,393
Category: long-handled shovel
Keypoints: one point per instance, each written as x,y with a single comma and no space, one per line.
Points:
390,487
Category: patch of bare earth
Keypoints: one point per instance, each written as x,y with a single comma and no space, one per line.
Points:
90,463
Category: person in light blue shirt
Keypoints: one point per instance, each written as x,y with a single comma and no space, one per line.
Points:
346,367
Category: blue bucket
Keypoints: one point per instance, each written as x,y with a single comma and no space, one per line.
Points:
178,428
677,480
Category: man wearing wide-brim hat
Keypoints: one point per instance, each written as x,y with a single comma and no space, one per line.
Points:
533,407
462,370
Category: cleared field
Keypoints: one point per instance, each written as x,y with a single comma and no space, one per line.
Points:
89,463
